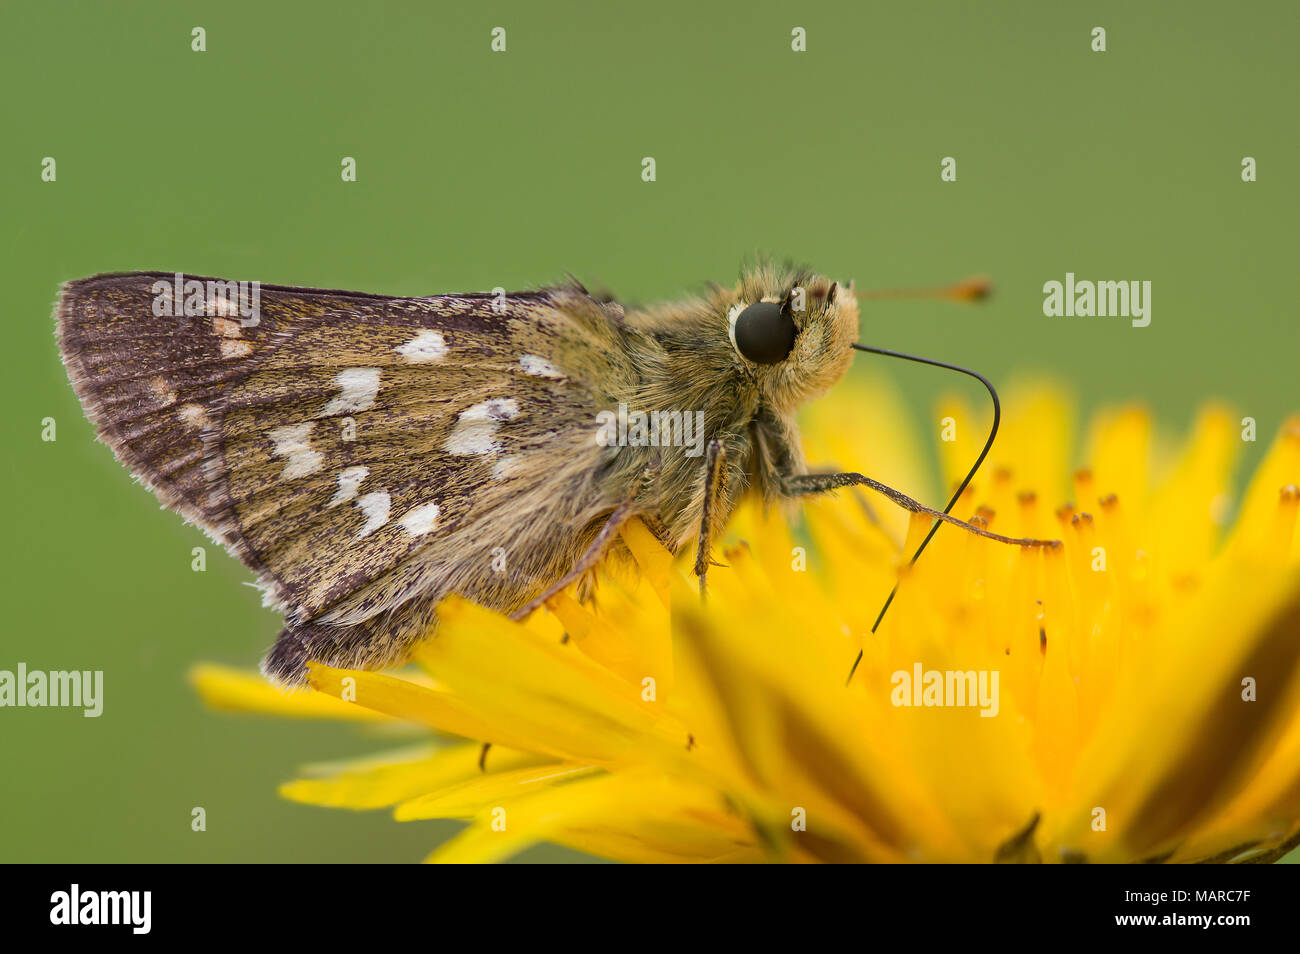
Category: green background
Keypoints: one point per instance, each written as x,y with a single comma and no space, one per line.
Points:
478,169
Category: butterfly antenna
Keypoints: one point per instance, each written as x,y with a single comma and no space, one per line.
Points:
967,291
970,290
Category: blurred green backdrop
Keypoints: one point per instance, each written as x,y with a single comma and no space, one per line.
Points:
478,169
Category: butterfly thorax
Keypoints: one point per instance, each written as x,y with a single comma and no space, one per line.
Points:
688,363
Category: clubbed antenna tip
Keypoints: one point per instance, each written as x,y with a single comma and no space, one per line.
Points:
967,291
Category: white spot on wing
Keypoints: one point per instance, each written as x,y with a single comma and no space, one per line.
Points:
420,519
424,348
162,391
225,327
194,416
539,367
294,442
359,387
235,349
475,430
350,479
221,305
376,507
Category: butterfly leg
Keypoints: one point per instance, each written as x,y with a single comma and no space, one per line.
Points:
714,478
622,513
804,484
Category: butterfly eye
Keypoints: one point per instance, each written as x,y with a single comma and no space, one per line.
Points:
764,333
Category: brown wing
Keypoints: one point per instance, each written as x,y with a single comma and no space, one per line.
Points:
351,448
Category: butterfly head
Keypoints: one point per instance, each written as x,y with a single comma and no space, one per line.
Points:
793,331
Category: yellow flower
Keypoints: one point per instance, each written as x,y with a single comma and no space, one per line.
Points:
1134,693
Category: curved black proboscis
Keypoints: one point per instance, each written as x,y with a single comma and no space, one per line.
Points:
988,444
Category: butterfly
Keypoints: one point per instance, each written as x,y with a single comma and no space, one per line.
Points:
367,455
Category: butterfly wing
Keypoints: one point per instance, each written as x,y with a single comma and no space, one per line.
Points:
356,450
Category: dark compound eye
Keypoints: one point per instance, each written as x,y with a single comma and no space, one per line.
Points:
764,333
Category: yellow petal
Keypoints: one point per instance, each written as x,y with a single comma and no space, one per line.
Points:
468,796
634,817
544,691
1198,739
404,699
368,784
654,561
237,690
